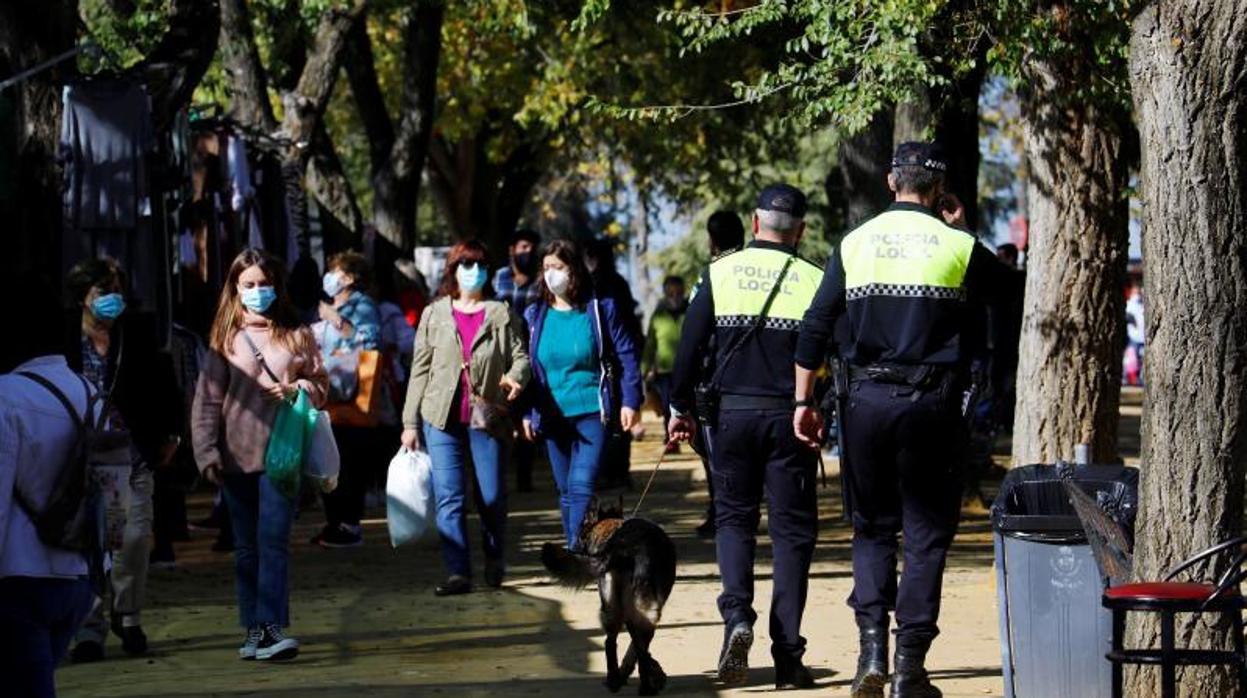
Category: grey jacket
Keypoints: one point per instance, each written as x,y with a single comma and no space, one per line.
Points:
436,373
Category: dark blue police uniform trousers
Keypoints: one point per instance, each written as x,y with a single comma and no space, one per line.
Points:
905,454
756,450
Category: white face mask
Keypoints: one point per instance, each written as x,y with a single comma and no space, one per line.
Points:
557,280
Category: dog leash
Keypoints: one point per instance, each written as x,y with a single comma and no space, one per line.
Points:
662,457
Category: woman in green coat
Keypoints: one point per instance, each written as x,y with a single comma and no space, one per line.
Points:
469,364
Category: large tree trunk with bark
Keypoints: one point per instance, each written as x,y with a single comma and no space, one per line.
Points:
398,149
1069,371
479,197
31,33
1188,64
863,170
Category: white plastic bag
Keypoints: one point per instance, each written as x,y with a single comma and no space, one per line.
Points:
323,463
411,509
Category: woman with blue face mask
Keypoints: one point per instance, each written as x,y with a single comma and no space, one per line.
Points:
116,351
352,322
260,355
469,364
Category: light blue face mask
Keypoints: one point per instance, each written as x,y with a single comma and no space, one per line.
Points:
471,277
258,298
332,284
108,307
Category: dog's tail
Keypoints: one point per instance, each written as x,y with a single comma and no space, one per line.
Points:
567,568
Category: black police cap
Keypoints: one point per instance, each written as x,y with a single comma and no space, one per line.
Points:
926,155
783,198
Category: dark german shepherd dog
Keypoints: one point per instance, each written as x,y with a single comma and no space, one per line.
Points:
633,562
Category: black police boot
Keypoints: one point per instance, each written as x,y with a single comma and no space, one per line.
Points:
872,662
792,673
909,673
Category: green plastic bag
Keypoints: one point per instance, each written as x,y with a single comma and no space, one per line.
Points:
283,459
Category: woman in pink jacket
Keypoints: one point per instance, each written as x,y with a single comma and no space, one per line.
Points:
260,355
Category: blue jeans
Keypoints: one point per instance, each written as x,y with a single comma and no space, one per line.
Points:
448,450
575,449
38,618
261,517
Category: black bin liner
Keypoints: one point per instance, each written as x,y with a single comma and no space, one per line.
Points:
1032,502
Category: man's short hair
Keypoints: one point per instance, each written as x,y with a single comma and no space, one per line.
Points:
525,235
777,221
725,229
1009,250
673,280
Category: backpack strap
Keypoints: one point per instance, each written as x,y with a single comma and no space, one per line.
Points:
79,421
79,425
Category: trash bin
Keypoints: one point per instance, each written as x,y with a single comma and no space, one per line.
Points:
1053,632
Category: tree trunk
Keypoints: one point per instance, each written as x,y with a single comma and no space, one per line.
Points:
248,82
480,198
397,168
1069,371
914,119
956,107
864,165
1188,60
30,33
327,182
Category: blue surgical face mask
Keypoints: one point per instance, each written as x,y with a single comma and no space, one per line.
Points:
108,307
257,299
471,277
332,284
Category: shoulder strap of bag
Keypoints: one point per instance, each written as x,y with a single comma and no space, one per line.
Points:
465,366
259,356
608,346
79,422
758,321
80,425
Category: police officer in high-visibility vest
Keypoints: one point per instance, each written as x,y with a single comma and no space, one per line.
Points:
903,278
751,303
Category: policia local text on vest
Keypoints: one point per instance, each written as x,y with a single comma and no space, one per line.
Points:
749,307
901,284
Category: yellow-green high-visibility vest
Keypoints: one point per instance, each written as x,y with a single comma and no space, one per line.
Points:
906,254
741,282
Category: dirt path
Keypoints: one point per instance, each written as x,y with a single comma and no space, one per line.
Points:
370,625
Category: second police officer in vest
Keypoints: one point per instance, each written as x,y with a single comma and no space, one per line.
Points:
903,278
751,303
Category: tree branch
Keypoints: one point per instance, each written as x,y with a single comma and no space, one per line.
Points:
361,73
176,65
421,50
248,81
327,181
306,104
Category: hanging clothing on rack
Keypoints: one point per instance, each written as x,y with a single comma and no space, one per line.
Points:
106,138
106,134
242,192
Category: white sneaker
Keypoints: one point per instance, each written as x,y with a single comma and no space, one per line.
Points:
274,645
247,651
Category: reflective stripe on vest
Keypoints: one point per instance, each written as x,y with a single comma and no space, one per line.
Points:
905,254
740,283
